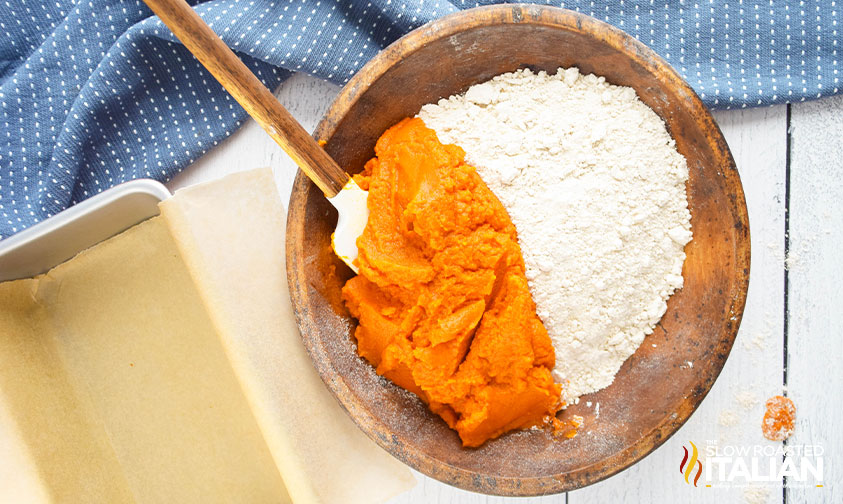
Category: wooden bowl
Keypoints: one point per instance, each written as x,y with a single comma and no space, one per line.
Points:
655,391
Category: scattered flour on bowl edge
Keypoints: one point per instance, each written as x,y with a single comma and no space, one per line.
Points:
596,189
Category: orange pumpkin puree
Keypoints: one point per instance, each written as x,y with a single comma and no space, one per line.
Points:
779,419
442,301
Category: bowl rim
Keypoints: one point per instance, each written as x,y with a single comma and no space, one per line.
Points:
556,18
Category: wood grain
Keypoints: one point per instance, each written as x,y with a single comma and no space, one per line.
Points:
654,393
250,93
815,311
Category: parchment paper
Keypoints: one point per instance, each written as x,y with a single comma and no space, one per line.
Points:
164,365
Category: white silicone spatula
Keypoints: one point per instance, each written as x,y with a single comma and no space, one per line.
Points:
340,189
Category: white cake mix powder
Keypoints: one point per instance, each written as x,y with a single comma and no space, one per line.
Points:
596,189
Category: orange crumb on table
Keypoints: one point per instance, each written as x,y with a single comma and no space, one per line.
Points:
779,418
568,429
442,300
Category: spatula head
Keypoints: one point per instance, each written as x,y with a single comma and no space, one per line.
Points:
353,214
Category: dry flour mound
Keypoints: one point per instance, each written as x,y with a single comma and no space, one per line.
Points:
596,190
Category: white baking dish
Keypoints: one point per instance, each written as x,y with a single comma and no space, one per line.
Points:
51,242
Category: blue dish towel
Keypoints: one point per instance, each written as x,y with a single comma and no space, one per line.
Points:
97,92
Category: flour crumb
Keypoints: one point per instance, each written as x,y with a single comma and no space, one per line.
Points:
746,399
728,418
791,260
760,336
758,341
596,190
756,494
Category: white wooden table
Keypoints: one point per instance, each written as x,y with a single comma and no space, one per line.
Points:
791,163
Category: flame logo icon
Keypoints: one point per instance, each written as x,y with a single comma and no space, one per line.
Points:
687,466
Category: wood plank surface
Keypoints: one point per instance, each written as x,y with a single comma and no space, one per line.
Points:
815,291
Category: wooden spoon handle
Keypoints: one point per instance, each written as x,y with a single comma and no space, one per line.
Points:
250,93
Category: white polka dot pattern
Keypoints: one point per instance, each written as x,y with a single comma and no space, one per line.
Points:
98,92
